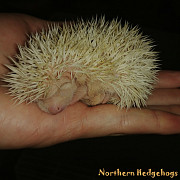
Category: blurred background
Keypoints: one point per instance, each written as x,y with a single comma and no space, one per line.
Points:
160,20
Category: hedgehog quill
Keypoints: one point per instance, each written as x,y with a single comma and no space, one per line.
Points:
94,62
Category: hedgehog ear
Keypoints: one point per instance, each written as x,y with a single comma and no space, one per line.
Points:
68,74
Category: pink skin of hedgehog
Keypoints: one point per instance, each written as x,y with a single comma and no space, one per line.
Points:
68,91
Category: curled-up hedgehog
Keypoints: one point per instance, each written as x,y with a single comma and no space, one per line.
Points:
94,62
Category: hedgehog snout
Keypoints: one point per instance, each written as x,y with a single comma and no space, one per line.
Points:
59,97
55,109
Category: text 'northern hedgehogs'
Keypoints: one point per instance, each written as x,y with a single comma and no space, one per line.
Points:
93,61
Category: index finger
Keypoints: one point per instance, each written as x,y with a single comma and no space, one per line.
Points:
132,121
168,79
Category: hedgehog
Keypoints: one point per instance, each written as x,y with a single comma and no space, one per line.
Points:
93,61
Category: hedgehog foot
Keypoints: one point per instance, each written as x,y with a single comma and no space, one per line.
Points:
100,98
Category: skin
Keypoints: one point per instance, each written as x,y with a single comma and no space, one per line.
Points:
59,96
27,126
69,90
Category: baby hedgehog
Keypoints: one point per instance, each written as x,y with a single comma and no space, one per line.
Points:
93,61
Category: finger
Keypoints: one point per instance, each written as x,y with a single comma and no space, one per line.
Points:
164,97
79,121
14,28
168,79
175,109
133,121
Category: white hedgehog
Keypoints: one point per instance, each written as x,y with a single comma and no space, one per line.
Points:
95,62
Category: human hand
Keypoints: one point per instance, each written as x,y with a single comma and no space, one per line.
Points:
27,126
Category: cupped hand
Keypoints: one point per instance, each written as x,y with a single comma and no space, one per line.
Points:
27,126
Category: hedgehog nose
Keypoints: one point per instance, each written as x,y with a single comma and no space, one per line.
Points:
55,109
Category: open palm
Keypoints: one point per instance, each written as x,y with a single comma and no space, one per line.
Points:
27,126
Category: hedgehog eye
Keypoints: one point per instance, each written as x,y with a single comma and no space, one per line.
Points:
66,86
